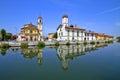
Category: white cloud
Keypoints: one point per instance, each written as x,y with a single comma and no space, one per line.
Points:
108,11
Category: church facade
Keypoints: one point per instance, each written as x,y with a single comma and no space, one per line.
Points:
31,32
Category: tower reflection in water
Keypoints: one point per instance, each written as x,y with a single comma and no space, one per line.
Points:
33,52
66,53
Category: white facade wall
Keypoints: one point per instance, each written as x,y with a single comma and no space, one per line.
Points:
64,35
90,37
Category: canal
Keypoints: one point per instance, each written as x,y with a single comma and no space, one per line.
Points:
83,62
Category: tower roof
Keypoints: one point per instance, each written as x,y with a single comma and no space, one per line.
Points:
39,17
65,16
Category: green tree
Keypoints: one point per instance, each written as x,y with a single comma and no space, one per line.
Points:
118,38
8,36
3,34
0,36
55,35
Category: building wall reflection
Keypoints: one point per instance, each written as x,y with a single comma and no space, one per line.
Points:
65,53
33,52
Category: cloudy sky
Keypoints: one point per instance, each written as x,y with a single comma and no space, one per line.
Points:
101,16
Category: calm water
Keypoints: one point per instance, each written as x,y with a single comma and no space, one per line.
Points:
91,62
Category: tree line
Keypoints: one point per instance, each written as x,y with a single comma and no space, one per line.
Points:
118,38
5,36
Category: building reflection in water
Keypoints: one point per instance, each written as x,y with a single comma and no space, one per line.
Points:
33,52
65,53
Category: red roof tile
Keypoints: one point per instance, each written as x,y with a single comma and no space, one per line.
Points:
65,16
73,27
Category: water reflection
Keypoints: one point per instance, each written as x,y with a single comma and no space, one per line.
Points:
3,51
65,53
32,52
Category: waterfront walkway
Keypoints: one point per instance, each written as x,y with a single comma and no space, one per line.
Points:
34,43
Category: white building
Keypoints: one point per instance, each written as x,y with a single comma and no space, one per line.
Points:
90,36
66,32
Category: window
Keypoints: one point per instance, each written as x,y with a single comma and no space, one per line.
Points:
61,33
87,38
73,32
68,32
30,31
77,33
92,38
87,34
92,34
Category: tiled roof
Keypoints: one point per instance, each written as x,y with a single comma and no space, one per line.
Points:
65,16
74,28
90,32
29,26
98,34
51,33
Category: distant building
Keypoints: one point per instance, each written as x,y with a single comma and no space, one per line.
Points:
100,37
51,36
31,32
90,36
67,32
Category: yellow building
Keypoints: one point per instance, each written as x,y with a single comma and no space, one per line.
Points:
106,37
100,36
51,36
103,37
31,32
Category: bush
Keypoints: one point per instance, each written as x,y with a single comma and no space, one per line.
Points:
41,44
110,41
24,45
77,43
118,41
57,44
4,45
98,42
92,42
68,43
106,41
85,43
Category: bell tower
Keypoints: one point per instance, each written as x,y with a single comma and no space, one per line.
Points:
40,28
65,20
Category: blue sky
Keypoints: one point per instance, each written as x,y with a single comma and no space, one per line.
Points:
101,16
